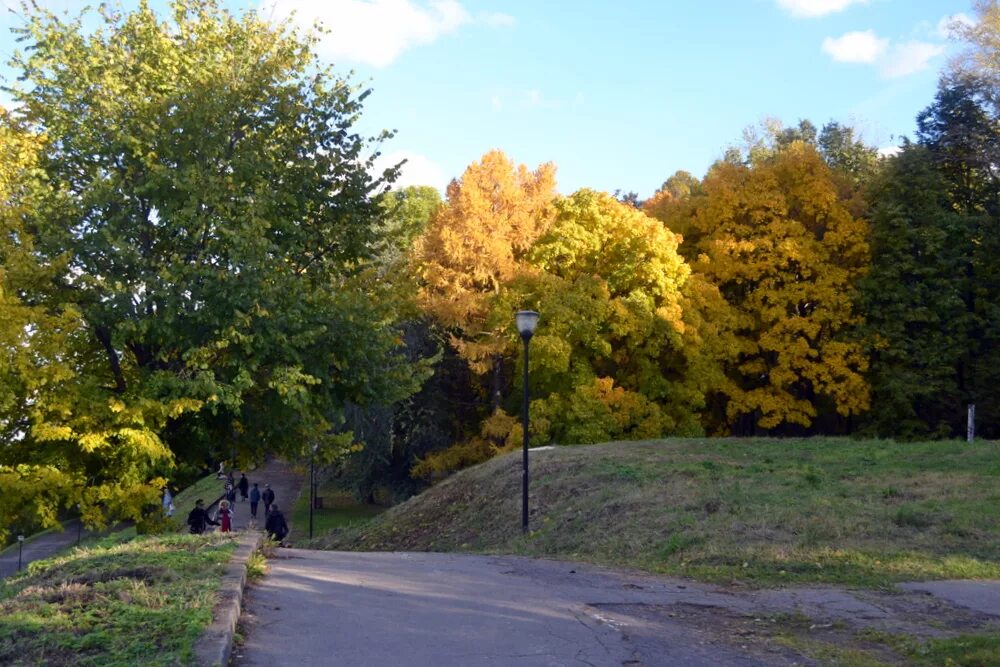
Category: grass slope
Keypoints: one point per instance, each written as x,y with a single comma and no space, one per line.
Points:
143,601
207,488
758,511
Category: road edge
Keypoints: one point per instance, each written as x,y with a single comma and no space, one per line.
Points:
215,645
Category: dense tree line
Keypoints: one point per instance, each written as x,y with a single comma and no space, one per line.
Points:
198,260
803,285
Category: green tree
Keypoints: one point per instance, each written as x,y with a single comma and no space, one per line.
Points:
211,218
845,152
961,131
408,211
917,321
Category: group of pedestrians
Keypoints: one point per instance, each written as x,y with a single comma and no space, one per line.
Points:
275,524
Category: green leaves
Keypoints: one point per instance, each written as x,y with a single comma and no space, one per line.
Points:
190,244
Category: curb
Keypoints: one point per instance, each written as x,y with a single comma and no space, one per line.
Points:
215,644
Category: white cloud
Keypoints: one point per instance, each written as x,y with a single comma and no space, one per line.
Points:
909,58
856,47
814,8
418,170
376,32
889,151
892,60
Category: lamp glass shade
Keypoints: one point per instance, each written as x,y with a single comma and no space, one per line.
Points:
526,320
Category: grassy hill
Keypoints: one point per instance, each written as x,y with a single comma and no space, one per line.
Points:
759,511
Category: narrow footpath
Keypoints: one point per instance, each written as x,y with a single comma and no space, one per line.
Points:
44,546
286,484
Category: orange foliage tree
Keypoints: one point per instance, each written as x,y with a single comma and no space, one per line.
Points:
475,244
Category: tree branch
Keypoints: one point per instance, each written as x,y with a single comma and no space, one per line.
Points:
104,337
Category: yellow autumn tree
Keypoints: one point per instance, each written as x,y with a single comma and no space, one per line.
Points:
474,245
786,254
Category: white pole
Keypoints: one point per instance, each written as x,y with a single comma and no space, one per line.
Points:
971,426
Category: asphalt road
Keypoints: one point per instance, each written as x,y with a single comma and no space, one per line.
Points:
43,546
424,609
335,608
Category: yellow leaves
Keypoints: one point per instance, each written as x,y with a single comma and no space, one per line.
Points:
91,442
179,406
501,427
476,241
786,254
45,432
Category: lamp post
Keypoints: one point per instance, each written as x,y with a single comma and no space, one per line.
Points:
312,487
20,548
526,321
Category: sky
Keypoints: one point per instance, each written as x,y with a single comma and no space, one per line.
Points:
618,94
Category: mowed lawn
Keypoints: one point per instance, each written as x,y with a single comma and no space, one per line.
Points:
754,511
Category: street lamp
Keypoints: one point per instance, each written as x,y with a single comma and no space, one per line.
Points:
312,487
526,321
20,547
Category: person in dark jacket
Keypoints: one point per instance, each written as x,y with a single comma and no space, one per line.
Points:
268,498
244,486
254,499
198,519
276,526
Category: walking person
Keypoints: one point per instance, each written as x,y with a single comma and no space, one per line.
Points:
168,502
198,519
276,526
243,485
225,517
254,499
268,498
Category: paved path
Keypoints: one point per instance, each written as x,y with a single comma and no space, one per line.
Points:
43,546
982,596
416,609
336,608
286,484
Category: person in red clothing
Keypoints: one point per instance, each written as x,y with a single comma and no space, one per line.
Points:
225,517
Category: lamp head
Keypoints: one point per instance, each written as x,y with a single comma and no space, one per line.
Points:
526,320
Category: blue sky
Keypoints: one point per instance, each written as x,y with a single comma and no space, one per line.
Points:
619,94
